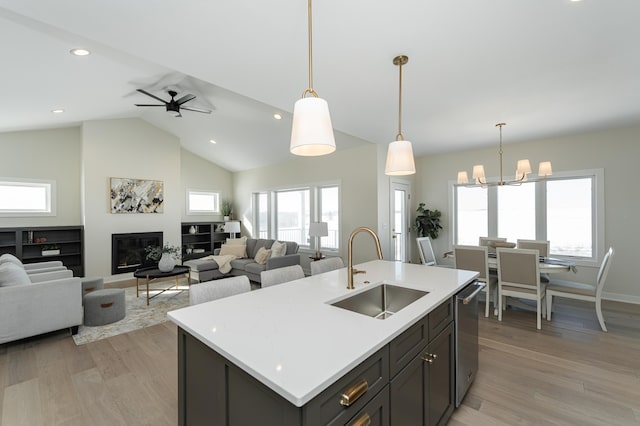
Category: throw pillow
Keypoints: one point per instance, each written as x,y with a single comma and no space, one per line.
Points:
234,250
262,255
278,249
9,258
242,241
12,274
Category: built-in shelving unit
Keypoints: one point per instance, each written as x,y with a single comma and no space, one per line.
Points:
200,239
28,244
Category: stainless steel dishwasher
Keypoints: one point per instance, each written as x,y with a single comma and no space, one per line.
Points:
466,338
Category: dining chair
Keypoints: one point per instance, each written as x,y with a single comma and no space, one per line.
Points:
425,249
326,265
540,245
519,276
474,258
281,275
217,289
490,242
582,291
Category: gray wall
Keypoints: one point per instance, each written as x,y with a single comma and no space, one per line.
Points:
45,154
616,151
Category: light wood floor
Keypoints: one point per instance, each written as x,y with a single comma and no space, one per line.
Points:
568,373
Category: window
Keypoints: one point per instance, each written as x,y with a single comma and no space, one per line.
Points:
471,215
286,214
202,202
27,197
566,209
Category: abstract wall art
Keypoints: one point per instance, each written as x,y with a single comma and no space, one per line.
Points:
136,196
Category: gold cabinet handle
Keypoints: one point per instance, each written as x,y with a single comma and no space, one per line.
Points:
363,420
352,394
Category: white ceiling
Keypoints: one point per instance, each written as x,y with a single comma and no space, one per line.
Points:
546,67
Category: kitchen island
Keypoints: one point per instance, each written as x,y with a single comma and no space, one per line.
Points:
272,355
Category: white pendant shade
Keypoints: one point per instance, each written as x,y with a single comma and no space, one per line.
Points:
312,133
400,159
463,178
478,172
544,169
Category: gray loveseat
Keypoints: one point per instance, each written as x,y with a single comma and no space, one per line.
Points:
207,269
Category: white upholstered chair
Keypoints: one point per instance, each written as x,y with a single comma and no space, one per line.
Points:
582,291
519,276
326,265
281,275
474,258
541,246
217,289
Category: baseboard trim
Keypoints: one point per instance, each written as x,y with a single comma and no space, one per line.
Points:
625,298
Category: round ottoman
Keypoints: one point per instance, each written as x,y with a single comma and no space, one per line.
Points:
90,284
104,306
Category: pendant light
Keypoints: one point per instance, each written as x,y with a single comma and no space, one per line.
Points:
311,132
400,153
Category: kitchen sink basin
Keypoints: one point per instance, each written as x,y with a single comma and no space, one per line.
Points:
381,301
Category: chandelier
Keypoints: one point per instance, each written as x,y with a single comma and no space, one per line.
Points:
523,169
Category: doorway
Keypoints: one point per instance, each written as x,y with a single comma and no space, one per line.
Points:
400,221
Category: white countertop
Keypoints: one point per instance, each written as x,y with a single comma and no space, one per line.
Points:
292,340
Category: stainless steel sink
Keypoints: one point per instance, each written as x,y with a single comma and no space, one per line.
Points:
381,301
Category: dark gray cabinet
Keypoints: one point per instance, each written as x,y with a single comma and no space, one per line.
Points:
422,392
63,243
407,382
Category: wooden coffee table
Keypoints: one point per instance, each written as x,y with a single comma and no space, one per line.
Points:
154,274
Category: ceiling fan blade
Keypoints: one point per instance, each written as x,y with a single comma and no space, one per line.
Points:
149,105
204,111
185,98
152,95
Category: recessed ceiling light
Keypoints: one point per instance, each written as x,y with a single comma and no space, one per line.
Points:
79,51
57,111
212,141
277,116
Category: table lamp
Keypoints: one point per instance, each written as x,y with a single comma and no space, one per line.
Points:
318,230
232,228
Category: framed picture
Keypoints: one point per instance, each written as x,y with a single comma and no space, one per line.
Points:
136,196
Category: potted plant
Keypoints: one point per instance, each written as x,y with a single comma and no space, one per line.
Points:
50,250
226,207
427,222
166,256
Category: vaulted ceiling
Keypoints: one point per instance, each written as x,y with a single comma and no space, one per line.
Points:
546,67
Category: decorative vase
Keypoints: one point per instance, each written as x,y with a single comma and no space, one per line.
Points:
192,230
226,218
166,263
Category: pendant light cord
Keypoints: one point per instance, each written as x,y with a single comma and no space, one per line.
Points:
399,136
310,90
500,152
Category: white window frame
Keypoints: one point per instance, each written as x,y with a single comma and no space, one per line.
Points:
216,201
314,210
50,197
597,223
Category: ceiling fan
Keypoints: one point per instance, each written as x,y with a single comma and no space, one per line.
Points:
174,105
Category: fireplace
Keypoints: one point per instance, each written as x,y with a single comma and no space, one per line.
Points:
127,250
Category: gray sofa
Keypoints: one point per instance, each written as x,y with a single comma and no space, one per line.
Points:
207,269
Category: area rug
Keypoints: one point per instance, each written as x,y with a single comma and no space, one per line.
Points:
139,315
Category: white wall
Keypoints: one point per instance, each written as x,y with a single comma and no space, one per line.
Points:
616,151
354,168
45,154
198,173
128,148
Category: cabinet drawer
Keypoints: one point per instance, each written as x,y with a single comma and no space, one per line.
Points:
407,345
326,408
375,413
440,318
